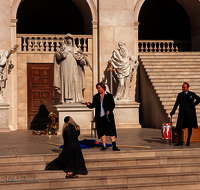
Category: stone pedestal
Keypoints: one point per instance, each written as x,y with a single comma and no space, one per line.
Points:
127,114
80,114
4,114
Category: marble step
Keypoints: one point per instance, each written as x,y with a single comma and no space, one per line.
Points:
173,70
166,55
183,77
93,164
193,185
170,59
106,181
165,62
172,66
177,80
172,73
176,87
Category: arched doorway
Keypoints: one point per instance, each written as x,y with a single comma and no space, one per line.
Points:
48,17
81,21
166,21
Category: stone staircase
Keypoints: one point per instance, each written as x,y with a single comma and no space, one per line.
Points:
167,72
135,169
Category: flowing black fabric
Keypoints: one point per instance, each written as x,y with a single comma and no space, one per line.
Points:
71,158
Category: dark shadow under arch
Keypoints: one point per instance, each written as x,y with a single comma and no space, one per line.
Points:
49,17
163,19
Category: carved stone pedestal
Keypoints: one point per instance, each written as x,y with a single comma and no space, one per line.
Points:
79,112
4,115
126,114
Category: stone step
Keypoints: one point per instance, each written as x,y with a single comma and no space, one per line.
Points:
106,181
172,66
172,80
167,59
192,185
166,55
158,157
164,63
174,73
176,87
183,77
173,70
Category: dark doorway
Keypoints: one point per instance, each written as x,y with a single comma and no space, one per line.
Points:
41,93
163,20
49,17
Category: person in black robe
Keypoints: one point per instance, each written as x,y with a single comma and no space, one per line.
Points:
186,100
70,160
104,104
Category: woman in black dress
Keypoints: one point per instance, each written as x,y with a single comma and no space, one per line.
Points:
70,160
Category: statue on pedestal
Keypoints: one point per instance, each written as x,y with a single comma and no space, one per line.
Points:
124,64
5,68
69,74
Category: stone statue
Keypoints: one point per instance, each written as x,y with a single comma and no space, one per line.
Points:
69,74
5,68
124,64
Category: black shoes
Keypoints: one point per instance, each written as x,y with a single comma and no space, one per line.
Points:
188,143
103,148
114,147
179,143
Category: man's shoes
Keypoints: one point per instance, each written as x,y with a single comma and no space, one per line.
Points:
114,147
179,143
188,143
103,148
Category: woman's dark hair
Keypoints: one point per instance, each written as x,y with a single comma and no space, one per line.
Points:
186,84
66,119
101,84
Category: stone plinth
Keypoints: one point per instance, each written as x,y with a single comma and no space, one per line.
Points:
127,114
4,115
79,112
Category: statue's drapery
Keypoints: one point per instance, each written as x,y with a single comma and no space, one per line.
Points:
69,75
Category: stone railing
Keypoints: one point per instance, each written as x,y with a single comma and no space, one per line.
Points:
163,46
51,42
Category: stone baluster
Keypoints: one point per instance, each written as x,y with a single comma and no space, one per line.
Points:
41,44
30,44
168,48
24,44
159,46
35,45
57,44
47,45
142,46
84,44
173,47
51,45
164,47
150,47
79,43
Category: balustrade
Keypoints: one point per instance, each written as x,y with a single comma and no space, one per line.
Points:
51,43
163,46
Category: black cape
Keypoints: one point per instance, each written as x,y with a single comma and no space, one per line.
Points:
71,158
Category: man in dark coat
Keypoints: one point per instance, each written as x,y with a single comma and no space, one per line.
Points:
104,105
187,112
